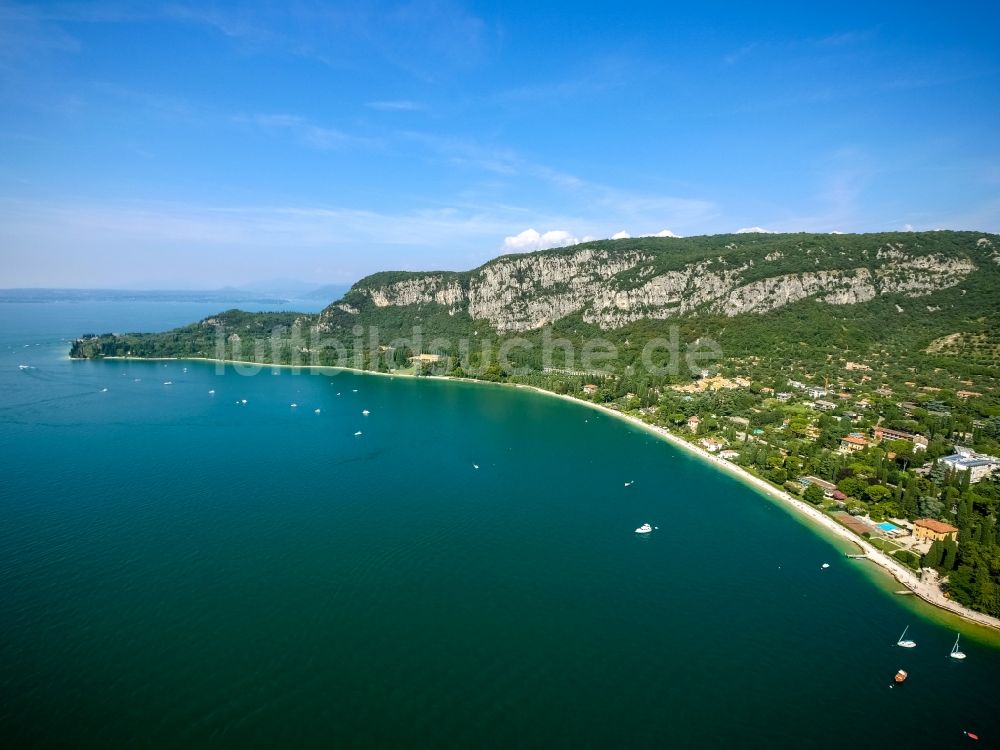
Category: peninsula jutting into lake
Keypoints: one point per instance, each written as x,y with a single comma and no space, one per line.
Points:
853,371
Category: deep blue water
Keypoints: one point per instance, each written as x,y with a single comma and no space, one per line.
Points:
178,568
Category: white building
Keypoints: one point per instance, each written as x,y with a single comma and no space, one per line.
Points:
979,465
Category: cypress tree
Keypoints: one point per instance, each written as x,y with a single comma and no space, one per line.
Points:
933,557
950,551
989,531
966,480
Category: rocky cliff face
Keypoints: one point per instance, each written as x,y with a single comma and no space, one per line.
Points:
612,287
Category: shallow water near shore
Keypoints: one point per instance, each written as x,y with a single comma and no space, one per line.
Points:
180,568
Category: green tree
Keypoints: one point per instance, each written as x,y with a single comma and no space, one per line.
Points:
934,555
948,557
813,494
877,493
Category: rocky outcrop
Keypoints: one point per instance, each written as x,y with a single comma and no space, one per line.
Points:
415,291
919,276
611,288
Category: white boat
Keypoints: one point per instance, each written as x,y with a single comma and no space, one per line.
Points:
315,411
211,392
293,405
366,412
475,466
629,484
104,390
955,653
168,382
357,433
644,529
243,401
903,642
24,367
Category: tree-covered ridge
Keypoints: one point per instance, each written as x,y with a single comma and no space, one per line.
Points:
196,340
616,282
771,253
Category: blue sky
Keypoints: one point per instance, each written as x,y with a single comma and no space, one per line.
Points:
198,144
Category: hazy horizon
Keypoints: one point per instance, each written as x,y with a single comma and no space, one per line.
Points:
182,146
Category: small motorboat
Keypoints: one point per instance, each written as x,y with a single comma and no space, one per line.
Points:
644,529
475,466
629,484
900,677
970,735
824,566
903,642
293,406
357,433
365,412
211,392
955,653
168,382
316,411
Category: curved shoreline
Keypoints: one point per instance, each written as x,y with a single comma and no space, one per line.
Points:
908,578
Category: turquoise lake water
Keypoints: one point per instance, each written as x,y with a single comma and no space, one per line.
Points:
180,569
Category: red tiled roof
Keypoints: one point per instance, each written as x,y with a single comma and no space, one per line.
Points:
939,527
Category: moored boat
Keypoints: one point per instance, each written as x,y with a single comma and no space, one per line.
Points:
644,529
903,642
955,653
901,676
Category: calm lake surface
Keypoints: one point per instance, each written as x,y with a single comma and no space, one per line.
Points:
180,569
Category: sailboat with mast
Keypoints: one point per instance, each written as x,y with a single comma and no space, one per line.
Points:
903,642
955,653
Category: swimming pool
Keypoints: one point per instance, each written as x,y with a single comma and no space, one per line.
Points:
886,526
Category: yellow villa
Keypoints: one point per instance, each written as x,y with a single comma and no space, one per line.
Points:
929,528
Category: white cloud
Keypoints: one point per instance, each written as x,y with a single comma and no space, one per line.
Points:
622,235
754,230
836,232
907,228
530,240
665,233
